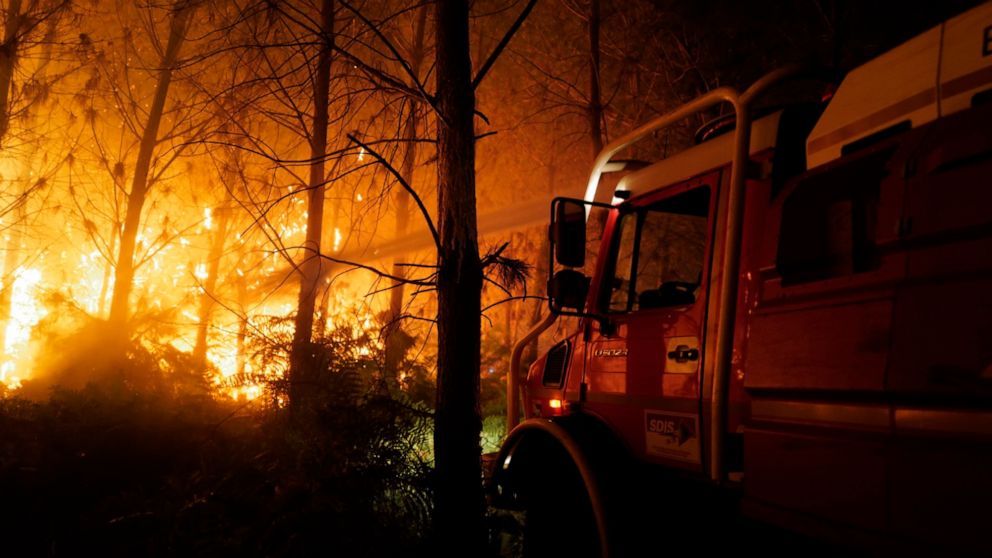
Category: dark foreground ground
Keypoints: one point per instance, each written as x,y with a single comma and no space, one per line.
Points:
99,474
104,474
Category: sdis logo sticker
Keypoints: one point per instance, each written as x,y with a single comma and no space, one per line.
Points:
672,435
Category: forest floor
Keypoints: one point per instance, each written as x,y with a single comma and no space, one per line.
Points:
100,474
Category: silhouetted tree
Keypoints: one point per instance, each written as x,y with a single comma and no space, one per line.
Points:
301,356
458,424
181,13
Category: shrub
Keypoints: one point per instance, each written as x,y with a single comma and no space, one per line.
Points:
121,467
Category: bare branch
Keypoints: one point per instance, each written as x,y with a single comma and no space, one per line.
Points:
502,44
406,186
392,49
511,299
426,282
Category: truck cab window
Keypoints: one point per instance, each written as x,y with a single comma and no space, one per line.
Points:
659,253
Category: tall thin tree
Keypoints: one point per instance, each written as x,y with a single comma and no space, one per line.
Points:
595,108
457,419
8,60
212,269
393,345
182,12
301,357
458,424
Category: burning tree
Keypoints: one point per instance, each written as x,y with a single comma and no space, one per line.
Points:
179,15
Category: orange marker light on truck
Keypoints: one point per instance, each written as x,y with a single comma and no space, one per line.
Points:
555,404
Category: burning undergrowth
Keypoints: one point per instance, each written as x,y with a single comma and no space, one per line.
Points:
133,454
71,350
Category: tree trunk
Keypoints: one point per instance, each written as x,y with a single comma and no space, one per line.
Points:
402,197
8,61
337,242
242,344
25,180
108,270
207,301
301,355
458,490
393,347
595,109
124,274
320,328
11,265
541,272
120,180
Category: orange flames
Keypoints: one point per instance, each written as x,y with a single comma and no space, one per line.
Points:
171,284
25,312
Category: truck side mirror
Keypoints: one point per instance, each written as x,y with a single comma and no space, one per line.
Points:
568,232
568,289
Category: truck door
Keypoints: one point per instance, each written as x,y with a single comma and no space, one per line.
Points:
644,362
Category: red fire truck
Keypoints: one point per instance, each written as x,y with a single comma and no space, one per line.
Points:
795,313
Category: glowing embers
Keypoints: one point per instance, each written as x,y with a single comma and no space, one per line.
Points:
25,313
240,374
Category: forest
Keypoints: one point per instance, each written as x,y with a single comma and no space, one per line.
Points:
264,261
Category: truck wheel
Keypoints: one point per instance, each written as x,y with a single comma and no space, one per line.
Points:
543,508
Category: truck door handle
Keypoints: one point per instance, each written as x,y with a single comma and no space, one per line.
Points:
683,353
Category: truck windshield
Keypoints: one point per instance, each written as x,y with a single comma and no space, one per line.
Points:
659,253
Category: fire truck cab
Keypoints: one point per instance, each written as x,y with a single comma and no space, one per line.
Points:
797,311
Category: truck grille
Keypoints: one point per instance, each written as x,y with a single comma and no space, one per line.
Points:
555,365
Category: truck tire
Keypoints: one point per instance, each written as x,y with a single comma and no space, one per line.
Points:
543,508
559,480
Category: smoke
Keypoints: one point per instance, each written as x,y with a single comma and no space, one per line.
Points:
73,350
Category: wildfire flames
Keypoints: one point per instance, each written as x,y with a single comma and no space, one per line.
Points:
25,312
171,286
197,207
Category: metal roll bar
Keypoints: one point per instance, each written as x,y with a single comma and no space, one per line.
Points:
513,376
731,255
